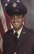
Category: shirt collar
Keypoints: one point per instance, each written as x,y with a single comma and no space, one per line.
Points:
19,32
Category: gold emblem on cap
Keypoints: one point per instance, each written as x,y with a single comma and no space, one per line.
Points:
14,4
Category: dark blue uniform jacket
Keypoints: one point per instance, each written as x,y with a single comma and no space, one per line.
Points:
25,43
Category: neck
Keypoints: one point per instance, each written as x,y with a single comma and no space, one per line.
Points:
18,29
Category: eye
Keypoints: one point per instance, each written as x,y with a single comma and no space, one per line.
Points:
19,16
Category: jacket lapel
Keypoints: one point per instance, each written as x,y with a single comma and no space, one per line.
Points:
23,33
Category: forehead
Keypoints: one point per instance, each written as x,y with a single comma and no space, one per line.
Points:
17,16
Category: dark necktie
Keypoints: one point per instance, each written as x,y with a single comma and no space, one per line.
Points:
15,34
16,40
15,37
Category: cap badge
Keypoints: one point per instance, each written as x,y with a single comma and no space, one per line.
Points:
18,1
14,4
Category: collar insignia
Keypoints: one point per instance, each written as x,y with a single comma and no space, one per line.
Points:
24,32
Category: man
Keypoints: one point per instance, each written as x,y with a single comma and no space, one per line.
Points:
22,42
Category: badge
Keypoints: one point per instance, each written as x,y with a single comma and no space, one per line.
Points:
24,32
18,1
14,52
14,4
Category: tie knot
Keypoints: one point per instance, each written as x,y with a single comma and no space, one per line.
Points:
16,34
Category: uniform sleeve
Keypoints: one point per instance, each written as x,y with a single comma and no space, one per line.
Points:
5,45
33,48
33,44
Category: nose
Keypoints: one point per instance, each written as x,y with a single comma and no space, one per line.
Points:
15,18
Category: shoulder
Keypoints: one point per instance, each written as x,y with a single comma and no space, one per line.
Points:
7,34
29,30
29,33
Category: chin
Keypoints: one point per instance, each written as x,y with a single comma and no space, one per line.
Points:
17,28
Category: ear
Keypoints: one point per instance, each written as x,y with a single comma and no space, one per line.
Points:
23,20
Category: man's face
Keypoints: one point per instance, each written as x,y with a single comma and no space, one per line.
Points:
17,21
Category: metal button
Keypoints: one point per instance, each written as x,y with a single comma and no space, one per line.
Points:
14,52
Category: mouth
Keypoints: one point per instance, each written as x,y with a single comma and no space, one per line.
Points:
16,23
